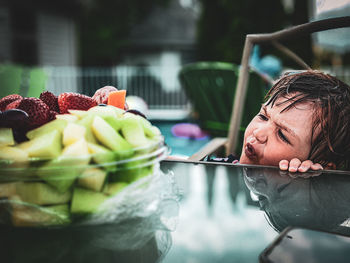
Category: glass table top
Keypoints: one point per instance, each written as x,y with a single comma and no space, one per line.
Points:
231,213
226,213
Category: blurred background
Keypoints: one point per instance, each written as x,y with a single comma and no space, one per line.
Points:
141,46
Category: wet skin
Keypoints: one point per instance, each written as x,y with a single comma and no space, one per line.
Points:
280,138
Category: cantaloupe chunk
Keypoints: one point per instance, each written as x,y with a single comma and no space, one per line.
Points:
117,98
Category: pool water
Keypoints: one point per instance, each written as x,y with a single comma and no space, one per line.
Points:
179,146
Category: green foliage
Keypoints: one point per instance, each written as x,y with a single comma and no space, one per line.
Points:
223,25
104,27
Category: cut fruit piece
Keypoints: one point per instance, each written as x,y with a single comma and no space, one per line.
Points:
67,117
150,130
101,154
57,124
13,153
114,188
86,201
62,172
109,137
87,122
105,111
117,98
26,215
133,132
6,137
78,148
131,174
115,123
79,113
72,133
45,146
41,194
92,179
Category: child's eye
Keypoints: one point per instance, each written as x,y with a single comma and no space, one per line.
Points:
262,116
281,135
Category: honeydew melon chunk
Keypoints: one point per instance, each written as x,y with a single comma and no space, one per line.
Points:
41,194
133,132
93,179
56,124
79,113
101,154
86,201
63,171
86,122
108,110
67,117
25,215
114,188
47,145
72,133
130,175
149,129
6,137
78,148
13,153
115,123
110,138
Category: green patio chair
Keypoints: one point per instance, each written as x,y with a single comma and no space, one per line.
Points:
10,79
244,84
37,82
210,87
25,81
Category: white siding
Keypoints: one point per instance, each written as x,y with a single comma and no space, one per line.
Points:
56,41
5,36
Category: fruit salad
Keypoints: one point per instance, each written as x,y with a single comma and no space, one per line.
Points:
63,156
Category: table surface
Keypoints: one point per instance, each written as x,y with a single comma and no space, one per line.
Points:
232,213
226,213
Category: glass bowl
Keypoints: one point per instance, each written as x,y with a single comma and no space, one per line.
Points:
68,191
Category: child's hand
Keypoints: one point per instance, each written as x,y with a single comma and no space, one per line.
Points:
295,165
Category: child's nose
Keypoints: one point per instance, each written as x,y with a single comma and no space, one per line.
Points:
261,134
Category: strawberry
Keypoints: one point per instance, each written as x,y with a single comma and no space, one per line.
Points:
74,101
37,111
50,99
7,100
13,105
52,115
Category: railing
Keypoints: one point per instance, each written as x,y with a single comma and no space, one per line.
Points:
158,86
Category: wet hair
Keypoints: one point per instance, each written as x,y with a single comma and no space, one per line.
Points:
331,100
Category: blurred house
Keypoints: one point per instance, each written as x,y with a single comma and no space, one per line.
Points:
165,39
38,32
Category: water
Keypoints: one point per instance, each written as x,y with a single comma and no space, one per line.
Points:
179,146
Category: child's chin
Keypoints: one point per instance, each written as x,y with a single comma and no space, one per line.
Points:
245,160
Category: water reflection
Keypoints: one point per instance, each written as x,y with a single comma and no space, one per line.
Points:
320,202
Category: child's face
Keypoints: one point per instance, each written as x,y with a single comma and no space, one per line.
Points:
273,136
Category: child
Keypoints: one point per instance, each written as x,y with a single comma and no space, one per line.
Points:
305,124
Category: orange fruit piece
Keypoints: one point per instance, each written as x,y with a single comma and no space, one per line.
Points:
117,98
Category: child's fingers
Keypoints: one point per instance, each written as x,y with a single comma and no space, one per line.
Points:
283,164
316,166
305,166
294,165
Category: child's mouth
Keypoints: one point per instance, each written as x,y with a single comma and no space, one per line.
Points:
249,151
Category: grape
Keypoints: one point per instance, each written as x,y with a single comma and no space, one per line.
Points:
137,113
14,118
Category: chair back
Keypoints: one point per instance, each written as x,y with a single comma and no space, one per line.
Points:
243,86
210,87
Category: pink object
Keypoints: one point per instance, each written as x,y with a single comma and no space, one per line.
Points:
188,130
101,95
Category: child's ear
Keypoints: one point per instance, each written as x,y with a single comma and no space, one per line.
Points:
330,166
